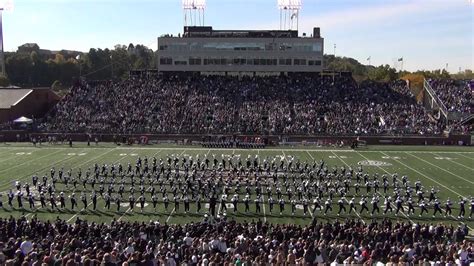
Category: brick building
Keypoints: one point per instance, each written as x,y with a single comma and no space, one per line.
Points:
32,103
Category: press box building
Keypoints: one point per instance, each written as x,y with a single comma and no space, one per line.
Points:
204,50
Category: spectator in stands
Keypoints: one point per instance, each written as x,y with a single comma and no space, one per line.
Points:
228,242
252,105
455,95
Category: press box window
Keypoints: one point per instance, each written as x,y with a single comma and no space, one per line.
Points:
314,62
166,61
299,62
284,62
195,61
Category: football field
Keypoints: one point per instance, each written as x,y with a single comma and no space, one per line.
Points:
448,169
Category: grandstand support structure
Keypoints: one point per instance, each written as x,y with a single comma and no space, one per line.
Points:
432,100
469,119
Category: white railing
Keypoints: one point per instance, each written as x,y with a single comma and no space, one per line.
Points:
433,95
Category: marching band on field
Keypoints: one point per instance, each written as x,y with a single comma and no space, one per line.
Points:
311,187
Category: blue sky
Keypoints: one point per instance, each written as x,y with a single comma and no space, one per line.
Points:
426,33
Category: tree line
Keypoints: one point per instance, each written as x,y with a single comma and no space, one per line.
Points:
40,68
35,67
386,72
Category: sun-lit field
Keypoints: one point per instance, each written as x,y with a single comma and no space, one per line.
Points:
448,169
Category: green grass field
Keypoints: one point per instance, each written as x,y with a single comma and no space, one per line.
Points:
449,169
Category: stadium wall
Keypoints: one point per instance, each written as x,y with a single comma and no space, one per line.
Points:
273,140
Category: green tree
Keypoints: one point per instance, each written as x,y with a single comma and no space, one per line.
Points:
121,61
4,81
383,73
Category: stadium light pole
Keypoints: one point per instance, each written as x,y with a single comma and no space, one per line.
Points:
289,12
5,5
196,9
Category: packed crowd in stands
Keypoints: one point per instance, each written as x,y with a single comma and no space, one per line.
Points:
456,95
218,239
273,105
223,242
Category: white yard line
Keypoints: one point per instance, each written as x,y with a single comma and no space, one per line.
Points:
43,147
381,168
263,206
266,149
171,214
465,156
453,174
129,208
120,218
154,154
430,152
284,155
75,215
312,158
48,166
9,156
123,157
344,162
7,150
337,156
185,150
422,174
358,215
28,161
298,149
427,178
453,161
81,165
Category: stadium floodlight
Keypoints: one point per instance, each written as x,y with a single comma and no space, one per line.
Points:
194,4
5,5
290,4
194,11
289,13
283,4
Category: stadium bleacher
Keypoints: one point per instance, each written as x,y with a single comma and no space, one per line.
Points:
456,95
258,105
